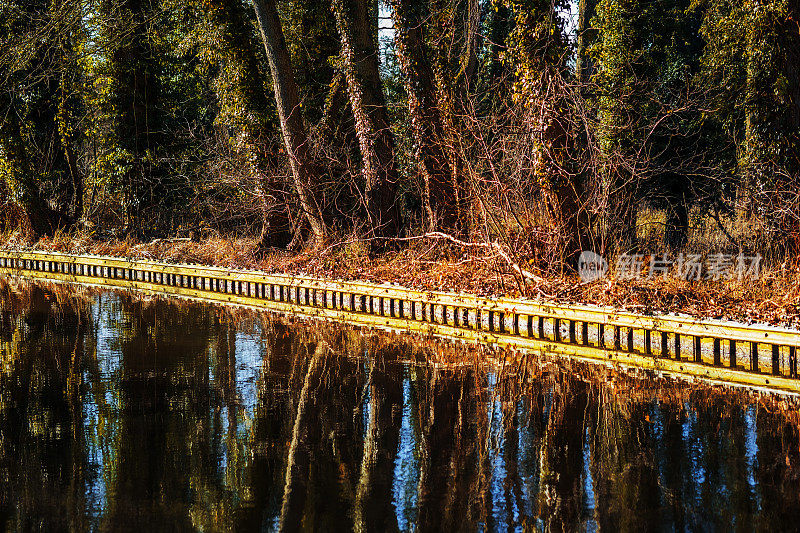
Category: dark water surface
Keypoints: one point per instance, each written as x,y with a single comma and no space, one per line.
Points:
122,414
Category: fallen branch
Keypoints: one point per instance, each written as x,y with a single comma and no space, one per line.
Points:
526,274
169,240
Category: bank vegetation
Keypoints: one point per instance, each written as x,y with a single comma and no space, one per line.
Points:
478,144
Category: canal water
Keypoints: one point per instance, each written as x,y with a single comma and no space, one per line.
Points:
119,413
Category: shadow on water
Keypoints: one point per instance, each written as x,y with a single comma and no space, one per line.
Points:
125,414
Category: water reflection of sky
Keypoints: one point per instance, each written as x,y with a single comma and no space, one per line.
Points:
588,485
694,450
668,466
101,401
528,460
406,463
249,357
504,512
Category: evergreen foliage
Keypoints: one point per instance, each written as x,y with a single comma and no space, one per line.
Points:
484,118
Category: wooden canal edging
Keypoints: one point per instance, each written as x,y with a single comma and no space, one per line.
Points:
736,354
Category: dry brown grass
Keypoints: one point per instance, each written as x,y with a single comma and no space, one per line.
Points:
774,298
437,265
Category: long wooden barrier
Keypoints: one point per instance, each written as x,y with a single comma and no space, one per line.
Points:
737,354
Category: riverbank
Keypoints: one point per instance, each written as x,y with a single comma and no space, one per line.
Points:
433,263
681,345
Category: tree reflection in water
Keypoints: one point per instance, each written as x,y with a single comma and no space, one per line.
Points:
118,413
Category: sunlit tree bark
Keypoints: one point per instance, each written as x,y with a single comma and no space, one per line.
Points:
440,195
294,131
357,29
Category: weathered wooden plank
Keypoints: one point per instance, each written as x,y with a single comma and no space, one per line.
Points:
453,315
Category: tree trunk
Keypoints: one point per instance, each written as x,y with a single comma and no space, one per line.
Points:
462,105
754,95
239,59
276,225
791,46
568,191
469,57
440,192
676,230
75,207
584,67
288,102
790,37
365,90
134,124
772,141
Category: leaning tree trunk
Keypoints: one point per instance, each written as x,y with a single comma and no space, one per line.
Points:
287,99
239,58
456,74
440,192
365,90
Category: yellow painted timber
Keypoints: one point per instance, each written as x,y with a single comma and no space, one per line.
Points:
587,353
592,314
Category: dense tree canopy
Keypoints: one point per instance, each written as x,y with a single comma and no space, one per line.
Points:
297,122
